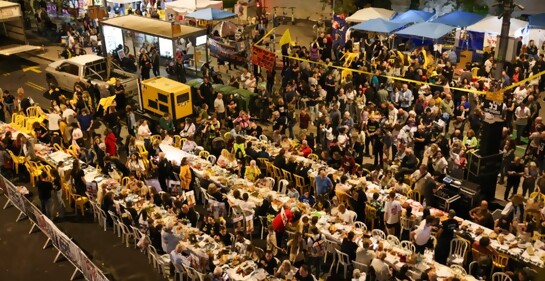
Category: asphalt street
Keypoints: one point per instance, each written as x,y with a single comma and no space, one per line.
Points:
26,72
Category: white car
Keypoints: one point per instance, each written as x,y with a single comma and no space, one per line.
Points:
64,73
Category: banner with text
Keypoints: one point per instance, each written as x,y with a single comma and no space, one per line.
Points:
263,58
227,52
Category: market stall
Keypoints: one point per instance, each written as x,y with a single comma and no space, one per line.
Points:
369,14
132,33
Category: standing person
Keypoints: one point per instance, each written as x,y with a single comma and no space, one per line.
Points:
444,236
155,62
185,174
120,98
57,193
515,171
164,170
45,188
316,246
130,119
531,172
78,177
522,113
421,236
392,213
145,64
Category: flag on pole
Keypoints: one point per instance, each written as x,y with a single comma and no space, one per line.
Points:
286,38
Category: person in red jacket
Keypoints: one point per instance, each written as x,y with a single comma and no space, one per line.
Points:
280,222
111,142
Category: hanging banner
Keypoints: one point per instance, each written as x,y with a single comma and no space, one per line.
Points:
263,58
225,52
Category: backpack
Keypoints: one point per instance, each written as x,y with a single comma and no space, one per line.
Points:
238,153
317,248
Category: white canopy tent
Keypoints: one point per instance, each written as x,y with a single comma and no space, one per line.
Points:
369,14
492,24
183,7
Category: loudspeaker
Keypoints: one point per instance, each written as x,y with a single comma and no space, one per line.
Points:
487,183
478,164
490,138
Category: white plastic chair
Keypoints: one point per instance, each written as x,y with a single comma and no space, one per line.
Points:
272,182
102,218
179,272
160,262
352,215
378,233
458,250
126,234
408,245
500,276
393,240
136,235
263,138
283,186
94,207
330,247
116,222
344,260
362,267
458,269
193,274
360,225
407,224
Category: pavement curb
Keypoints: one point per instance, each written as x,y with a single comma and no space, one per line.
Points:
41,56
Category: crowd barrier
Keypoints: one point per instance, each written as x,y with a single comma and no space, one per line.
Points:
64,245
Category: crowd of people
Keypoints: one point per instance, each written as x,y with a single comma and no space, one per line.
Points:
403,135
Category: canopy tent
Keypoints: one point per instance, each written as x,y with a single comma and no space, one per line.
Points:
412,16
430,30
183,7
458,19
211,14
492,24
378,25
369,14
225,29
536,21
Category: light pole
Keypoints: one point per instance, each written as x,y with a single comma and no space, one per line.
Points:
507,8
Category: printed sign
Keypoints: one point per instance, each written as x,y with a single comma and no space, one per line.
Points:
226,52
263,58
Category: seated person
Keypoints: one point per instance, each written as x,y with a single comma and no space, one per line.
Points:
483,246
188,214
268,262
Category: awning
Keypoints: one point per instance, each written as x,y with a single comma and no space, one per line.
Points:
412,16
459,19
369,14
211,14
537,21
492,24
378,25
159,28
430,30
16,49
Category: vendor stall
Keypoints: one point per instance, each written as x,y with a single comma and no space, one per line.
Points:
132,33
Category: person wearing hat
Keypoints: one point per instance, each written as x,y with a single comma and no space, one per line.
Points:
444,236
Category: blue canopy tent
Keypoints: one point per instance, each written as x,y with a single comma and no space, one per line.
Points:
211,14
378,25
458,19
429,30
537,21
412,16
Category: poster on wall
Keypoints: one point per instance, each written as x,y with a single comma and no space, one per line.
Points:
113,37
490,40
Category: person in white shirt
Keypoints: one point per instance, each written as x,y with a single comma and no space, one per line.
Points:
439,164
363,254
250,83
219,107
488,64
392,113
77,136
420,178
68,114
144,131
177,256
53,122
188,129
189,145
241,243
382,270
421,236
346,216
245,75
392,213
522,113
520,93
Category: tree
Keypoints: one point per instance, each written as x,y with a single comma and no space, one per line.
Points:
347,7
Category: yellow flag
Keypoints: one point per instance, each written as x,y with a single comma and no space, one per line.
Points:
286,38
